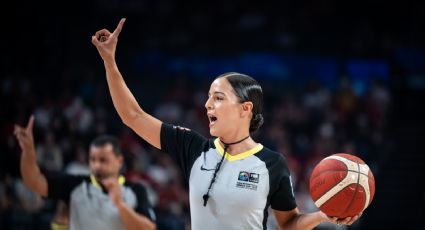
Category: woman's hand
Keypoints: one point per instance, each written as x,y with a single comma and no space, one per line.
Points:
335,220
106,42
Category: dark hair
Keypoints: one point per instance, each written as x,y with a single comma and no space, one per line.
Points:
247,89
103,140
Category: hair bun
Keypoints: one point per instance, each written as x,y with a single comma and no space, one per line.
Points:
256,122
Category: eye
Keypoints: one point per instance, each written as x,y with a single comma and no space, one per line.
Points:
218,98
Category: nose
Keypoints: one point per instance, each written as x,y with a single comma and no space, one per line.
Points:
208,104
95,165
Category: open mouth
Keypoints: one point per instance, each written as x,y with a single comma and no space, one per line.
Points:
213,119
99,177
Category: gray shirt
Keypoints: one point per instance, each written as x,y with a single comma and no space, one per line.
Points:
90,205
246,184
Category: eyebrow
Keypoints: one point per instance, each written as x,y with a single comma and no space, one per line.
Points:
217,92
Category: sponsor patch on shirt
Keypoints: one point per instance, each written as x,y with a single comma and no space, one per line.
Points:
246,186
243,176
254,177
248,177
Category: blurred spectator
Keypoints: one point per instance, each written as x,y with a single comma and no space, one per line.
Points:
79,115
49,154
346,99
30,201
316,97
79,166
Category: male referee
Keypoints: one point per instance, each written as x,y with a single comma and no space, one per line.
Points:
102,201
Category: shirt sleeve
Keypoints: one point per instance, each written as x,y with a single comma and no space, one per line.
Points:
60,186
282,196
183,144
143,206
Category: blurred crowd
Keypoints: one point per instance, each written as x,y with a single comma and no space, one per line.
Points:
305,125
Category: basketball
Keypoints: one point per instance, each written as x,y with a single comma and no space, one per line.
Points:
342,185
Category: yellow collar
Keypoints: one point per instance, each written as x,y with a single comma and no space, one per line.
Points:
121,181
239,156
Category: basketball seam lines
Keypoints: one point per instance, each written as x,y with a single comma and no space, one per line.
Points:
333,194
355,191
339,171
330,198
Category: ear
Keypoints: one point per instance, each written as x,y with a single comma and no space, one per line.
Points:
120,159
246,108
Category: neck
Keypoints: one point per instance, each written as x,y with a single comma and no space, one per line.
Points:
226,144
239,146
234,137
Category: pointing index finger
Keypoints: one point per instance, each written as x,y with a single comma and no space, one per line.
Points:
117,30
30,124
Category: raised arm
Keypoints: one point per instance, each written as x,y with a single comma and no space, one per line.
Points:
145,125
30,171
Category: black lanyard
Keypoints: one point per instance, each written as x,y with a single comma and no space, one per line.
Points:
217,168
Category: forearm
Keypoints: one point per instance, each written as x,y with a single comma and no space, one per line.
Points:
303,221
124,101
133,220
145,125
31,174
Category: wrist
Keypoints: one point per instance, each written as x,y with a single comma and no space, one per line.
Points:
109,62
30,153
120,204
321,217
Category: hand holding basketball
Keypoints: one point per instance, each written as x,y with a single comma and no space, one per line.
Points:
340,221
106,42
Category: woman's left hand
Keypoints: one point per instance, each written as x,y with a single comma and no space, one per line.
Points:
344,221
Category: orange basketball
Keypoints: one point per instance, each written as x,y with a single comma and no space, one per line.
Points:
342,185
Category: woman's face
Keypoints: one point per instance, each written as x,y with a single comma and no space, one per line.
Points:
223,108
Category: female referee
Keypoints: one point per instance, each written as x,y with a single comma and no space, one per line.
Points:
232,179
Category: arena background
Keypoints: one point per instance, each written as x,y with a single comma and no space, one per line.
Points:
337,76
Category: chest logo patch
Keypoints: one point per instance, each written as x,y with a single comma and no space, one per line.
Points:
251,178
243,176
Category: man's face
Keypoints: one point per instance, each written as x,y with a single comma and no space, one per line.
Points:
104,163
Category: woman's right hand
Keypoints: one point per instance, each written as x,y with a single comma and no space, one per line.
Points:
106,42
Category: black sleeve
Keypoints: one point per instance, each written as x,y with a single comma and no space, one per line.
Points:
282,195
143,206
60,186
183,144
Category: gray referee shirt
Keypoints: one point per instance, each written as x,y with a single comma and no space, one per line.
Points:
246,185
90,205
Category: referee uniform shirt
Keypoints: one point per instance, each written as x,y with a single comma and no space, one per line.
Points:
90,205
246,185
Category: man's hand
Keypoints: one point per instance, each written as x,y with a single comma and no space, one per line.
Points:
130,218
106,42
114,190
30,171
25,136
